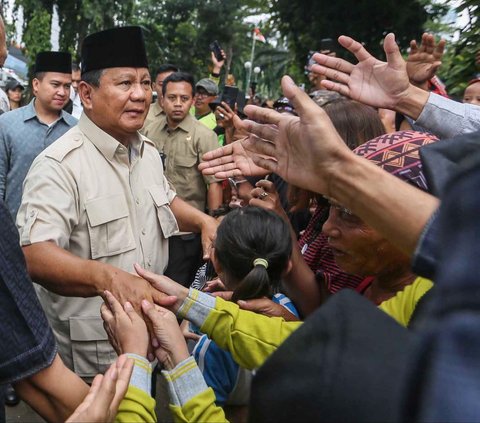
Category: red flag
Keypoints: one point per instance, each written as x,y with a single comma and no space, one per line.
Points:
258,35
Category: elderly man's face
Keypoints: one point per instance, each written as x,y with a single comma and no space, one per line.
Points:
3,45
120,104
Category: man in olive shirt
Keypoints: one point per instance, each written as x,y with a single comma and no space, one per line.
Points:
182,141
156,109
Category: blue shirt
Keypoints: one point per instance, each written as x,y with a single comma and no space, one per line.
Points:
22,137
220,371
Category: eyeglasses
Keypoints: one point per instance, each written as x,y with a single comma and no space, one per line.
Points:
203,94
234,184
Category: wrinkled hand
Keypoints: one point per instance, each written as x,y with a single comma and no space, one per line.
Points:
370,81
296,147
126,330
230,161
128,287
268,308
102,401
165,285
423,61
209,231
271,201
168,342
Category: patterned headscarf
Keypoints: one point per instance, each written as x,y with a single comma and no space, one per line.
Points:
398,154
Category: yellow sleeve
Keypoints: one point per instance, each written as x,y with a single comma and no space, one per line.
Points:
136,406
251,338
402,305
200,408
191,400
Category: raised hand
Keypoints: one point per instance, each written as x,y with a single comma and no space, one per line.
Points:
370,81
296,147
424,60
265,195
232,160
107,391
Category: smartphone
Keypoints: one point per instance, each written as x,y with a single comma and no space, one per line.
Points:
217,50
240,102
229,95
327,44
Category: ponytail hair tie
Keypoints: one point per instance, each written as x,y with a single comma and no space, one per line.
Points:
260,262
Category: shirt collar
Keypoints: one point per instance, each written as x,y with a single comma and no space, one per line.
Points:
31,113
185,125
106,144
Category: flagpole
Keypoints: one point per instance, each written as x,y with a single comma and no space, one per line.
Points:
251,61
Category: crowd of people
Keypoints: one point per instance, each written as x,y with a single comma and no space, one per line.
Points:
312,258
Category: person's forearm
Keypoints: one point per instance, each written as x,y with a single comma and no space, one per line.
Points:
396,209
412,102
301,285
214,196
63,273
54,392
251,338
189,219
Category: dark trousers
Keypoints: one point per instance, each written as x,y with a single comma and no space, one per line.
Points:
185,257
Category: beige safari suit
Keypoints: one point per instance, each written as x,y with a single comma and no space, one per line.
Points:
94,198
184,148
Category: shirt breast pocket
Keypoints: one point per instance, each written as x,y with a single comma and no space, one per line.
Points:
109,226
165,216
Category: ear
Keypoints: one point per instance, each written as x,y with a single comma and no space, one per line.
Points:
216,264
289,267
35,85
85,91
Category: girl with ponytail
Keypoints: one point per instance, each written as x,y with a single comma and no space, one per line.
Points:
251,252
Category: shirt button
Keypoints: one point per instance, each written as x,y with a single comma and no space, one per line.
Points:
144,231
137,201
32,213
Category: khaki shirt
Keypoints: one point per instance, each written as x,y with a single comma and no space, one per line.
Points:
184,148
93,197
154,112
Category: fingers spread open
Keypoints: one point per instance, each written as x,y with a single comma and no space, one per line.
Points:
354,47
265,131
332,73
269,164
208,167
332,63
262,115
394,57
219,152
335,86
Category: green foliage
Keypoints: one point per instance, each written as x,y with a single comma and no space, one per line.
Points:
459,61
37,35
306,22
